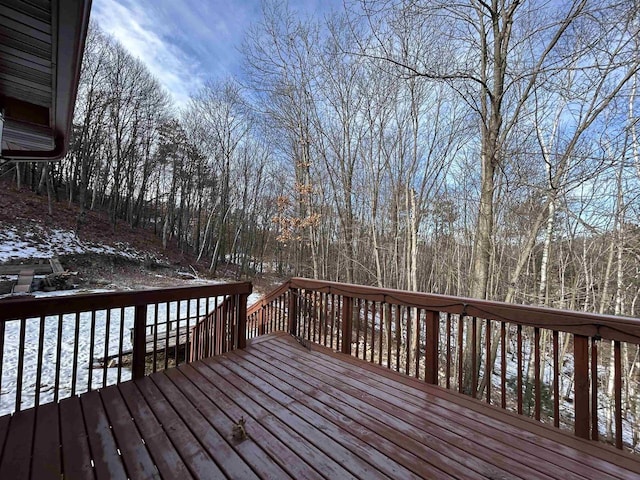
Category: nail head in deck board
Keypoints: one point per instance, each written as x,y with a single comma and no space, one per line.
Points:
76,456
107,463
217,447
163,452
192,453
46,444
135,455
16,458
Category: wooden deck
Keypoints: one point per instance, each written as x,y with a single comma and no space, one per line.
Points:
309,414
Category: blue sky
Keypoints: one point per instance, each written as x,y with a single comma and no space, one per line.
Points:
185,42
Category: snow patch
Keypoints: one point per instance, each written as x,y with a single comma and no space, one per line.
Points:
39,242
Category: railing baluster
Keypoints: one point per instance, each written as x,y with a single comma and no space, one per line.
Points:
188,331
195,348
19,371
416,353
488,359
388,327
556,380
167,331
460,351
503,365
92,340
373,333
365,332
293,312
358,310
177,337
594,390
120,344
448,364
408,345
519,375
333,316
536,378
2,330
617,359
316,321
76,338
474,357
155,337
56,392
398,337
41,332
106,348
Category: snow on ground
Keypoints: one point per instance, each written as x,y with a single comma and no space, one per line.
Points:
39,242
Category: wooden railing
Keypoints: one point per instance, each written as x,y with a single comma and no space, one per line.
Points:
60,346
569,369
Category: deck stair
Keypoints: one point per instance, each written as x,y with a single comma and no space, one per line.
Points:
25,280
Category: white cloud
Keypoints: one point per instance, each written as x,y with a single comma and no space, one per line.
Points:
183,43
147,36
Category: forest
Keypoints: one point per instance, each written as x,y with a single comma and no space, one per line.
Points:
479,148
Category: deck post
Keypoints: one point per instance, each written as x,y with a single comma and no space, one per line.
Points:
139,342
292,312
261,320
581,402
431,347
347,324
242,321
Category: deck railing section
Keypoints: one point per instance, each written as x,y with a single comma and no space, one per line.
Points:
569,369
270,313
60,346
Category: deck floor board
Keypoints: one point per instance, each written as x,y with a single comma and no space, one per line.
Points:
46,444
309,414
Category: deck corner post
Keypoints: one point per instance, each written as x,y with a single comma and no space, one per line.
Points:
139,342
581,402
347,324
242,321
293,311
431,347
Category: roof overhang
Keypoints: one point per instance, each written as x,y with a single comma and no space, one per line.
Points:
41,47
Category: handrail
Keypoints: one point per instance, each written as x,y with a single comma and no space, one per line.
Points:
549,364
52,347
27,306
611,327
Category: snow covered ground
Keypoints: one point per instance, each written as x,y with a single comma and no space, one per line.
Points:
39,242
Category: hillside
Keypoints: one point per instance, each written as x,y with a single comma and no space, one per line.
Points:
104,257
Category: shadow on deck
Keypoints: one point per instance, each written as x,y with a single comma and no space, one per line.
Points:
308,413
